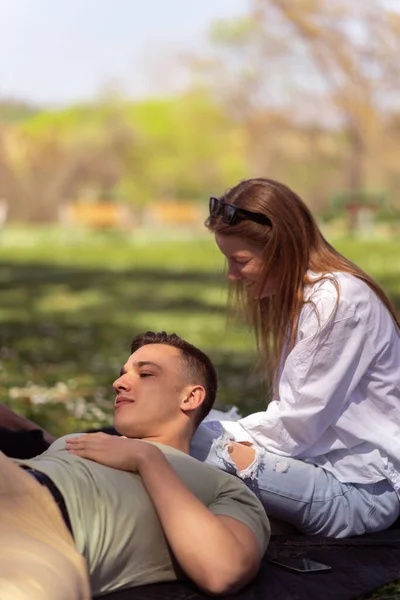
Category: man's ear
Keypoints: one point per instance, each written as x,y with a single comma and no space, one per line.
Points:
193,397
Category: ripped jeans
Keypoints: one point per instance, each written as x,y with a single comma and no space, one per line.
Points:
306,496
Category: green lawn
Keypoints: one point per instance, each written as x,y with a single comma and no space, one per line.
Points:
71,304
69,311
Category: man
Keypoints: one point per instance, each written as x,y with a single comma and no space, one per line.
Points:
139,508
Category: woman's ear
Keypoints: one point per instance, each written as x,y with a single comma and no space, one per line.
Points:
193,397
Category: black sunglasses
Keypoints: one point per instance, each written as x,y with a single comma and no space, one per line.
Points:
232,215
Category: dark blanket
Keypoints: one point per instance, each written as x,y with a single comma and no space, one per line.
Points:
26,444
359,566
22,444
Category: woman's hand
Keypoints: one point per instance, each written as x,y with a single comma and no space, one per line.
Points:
110,450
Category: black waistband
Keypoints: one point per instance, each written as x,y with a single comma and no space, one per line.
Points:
54,491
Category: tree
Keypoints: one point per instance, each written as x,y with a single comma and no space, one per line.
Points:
353,48
50,158
314,84
142,152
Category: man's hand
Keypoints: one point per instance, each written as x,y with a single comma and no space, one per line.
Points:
110,450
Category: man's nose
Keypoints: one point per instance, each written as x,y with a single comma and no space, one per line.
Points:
121,384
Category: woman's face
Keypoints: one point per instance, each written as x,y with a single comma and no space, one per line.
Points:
245,264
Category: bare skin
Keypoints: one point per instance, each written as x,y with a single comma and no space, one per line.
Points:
242,453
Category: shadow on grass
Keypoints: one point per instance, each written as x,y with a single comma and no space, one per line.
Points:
70,324
140,288
67,324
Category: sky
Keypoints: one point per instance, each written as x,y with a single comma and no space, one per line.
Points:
58,52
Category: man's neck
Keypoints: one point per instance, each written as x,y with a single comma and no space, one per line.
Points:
181,443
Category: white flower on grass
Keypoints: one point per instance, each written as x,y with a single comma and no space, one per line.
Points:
37,394
95,412
80,407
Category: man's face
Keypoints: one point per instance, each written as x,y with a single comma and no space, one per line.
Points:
149,391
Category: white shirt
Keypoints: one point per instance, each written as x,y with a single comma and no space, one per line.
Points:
338,403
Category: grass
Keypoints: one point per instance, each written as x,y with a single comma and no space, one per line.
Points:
72,302
70,308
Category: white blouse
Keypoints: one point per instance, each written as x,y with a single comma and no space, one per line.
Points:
338,403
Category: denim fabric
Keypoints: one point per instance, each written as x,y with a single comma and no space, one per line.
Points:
308,497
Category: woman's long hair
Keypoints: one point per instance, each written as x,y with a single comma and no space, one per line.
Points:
291,247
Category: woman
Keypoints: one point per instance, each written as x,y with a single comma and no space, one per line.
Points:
325,454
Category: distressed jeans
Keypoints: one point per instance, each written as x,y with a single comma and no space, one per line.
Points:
306,496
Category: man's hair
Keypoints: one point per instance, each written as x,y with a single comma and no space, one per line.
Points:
198,366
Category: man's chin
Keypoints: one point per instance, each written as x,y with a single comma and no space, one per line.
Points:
127,430
123,428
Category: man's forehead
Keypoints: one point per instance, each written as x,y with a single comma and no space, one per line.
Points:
161,354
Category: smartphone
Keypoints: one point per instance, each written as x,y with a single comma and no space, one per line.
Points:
299,564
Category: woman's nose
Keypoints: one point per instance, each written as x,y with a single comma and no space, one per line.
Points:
233,274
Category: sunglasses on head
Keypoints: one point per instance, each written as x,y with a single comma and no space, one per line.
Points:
232,215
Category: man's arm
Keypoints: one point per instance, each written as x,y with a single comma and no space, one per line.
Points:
219,553
14,422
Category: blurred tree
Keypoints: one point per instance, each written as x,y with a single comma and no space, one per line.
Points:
303,91
51,157
354,49
250,73
12,111
155,150
186,146
240,78
313,84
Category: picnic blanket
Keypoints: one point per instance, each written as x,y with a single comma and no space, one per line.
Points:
360,565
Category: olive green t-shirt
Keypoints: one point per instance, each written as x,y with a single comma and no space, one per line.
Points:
115,525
